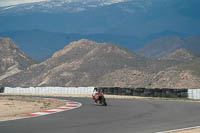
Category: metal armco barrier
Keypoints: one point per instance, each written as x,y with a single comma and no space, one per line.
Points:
157,92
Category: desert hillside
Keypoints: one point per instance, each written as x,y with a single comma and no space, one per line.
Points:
88,63
12,59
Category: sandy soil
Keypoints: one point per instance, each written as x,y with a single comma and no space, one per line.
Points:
13,107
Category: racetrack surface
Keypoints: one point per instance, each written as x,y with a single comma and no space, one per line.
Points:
120,116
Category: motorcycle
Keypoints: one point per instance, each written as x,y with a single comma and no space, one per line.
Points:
99,98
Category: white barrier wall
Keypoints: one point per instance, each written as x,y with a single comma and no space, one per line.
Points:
194,93
50,90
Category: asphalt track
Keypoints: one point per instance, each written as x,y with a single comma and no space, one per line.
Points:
120,116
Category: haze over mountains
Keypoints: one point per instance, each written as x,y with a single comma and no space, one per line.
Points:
142,20
140,17
42,44
87,63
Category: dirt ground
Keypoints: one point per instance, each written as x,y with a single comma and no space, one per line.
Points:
14,107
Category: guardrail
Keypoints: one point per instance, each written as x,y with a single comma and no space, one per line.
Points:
145,92
157,92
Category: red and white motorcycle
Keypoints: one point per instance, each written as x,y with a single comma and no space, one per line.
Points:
99,98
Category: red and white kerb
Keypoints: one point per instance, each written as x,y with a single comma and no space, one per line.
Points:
69,105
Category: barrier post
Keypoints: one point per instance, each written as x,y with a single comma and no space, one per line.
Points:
2,89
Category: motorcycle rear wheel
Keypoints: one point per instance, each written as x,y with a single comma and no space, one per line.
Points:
104,102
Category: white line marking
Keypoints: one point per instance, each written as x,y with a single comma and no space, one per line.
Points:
64,107
179,129
40,113
57,110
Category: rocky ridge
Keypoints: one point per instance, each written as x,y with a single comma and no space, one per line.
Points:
12,59
180,55
81,63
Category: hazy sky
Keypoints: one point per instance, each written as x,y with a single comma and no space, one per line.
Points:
15,2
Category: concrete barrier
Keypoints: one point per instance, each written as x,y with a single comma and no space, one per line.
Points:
50,90
194,93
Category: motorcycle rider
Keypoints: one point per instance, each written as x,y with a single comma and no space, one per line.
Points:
99,96
95,95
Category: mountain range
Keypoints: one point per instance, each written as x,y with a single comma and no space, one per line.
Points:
80,63
42,44
164,34
88,63
51,24
165,45
125,17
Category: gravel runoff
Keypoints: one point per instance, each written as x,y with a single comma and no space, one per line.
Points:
15,107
